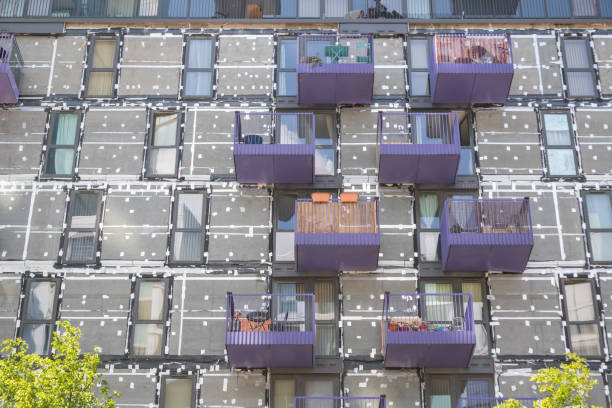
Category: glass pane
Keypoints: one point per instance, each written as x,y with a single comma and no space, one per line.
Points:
198,84
475,289
580,84
81,247
325,305
576,54
585,339
100,84
178,393
326,339
599,208
561,162
466,162
418,9
325,163
151,300
336,8
148,8
147,339
429,246
285,250
284,393
104,54
64,129
288,54
318,388
288,131
287,83
200,54
37,336
120,8
188,247
309,8
601,242
325,129
434,287
419,54
41,300
165,130
439,394
285,205
189,213
84,210
428,207
419,83
557,129
60,162
473,388
579,301
162,162
482,340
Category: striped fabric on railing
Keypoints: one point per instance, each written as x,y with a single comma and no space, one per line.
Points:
336,217
502,216
472,49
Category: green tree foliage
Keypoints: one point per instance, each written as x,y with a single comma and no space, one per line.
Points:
562,387
65,379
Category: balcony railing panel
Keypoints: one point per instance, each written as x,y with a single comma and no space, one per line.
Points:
11,69
276,330
486,234
480,402
418,147
339,402
428,330
471,68
337,235
274,147
335,69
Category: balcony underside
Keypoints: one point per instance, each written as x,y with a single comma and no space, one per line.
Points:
331,252
429,349
475,252
9,92
420,164
335,84
270,349
274,163
470,83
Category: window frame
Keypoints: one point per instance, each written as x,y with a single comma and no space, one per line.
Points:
24,306
151,137
334,147
48,146
280,69
453,380
590,69
204,227
134,321
410,70
162,388
587,223
69,229
596,312
572,146
187,69
90,68
299,387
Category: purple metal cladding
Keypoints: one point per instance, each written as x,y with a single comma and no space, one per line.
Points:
335,83
419,163
467,83
273,163
504,245
11,67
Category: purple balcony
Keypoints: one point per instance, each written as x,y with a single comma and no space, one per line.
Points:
270,331
486,235
274,147
11,66
340,402
471,69
428,330
481,402
335,69
336,235
418,148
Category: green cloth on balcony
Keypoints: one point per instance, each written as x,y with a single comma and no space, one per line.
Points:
336,51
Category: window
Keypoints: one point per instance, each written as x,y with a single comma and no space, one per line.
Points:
578,68
326,310
300,8
149,317
582,317
599,225
325,141
287,61
558,141
81,238
466,160
102,67
286,388
39,314
199,69
418,66
283,233
62,142
448,391
477,290
163,145
177,392
188,228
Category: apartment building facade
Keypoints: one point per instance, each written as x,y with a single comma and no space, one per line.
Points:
310,203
